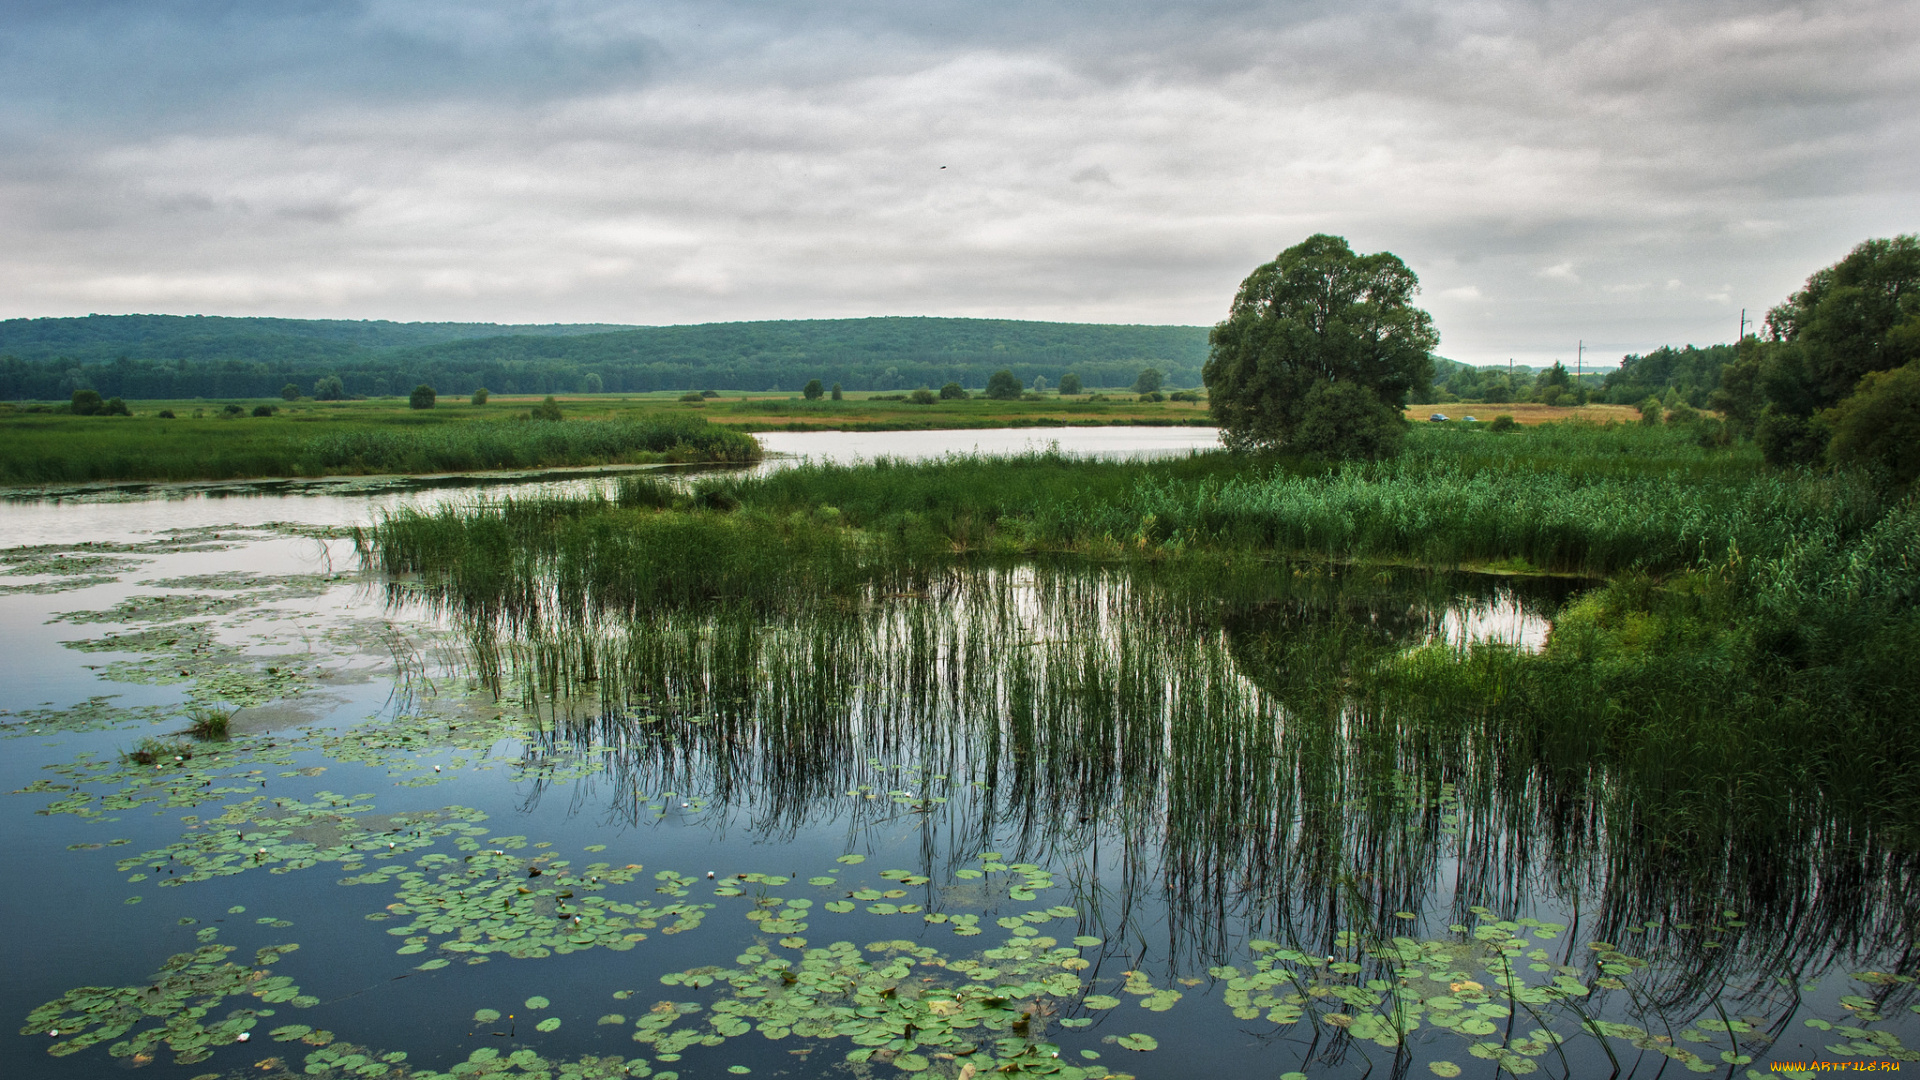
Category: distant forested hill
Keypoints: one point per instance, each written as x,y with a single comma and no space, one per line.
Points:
159,356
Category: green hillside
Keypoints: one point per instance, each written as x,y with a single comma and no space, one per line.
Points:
158,356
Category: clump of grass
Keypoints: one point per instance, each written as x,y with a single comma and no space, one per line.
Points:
208,724
151,751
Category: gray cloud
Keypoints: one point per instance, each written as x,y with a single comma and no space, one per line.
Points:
1629,174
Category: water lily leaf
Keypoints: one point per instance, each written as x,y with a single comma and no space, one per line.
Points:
483,1016
1100,1001
551,1023
1139,1042
1444,1068
851,860
537,1002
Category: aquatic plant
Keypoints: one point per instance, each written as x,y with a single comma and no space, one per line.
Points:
209,723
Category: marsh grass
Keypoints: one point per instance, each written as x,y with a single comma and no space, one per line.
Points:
208,723
152,751
64,449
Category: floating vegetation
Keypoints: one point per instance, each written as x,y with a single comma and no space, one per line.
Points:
283,835
173,1009
492,902
897,1002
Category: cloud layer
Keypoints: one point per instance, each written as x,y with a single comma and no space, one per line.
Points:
1626,174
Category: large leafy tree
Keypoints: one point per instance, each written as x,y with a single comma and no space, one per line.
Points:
1319,314
1860,315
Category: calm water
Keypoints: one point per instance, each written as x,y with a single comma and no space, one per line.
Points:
1034,811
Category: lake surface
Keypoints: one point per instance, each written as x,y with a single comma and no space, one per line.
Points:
1055,819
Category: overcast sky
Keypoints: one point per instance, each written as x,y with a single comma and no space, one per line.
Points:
1631,174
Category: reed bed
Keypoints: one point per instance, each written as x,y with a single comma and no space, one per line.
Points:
46,450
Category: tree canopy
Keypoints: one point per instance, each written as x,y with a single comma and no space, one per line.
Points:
1319,314
1002,386
1853,319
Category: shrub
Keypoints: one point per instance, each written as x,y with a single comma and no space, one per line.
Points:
1039,383
231,410
1503,422
1148,382
1879,426
86,403
922,396
1786,440
263,410
329,388
953,391
1651,410
115,407
836,394
422,397
693,396
592,383
546,410
813,390
1070,383
1712,433
165,414
1002,386
1153,395
480,396
709,394
291,392
1348,420
1183,395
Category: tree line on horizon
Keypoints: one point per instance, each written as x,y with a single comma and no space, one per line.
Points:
169,357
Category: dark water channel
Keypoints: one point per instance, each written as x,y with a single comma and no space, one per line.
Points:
1057,819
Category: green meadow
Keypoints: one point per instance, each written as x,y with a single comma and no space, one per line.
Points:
226,441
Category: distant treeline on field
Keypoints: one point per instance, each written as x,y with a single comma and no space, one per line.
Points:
1689,375
164,356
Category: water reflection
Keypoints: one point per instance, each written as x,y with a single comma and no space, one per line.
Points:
1263,754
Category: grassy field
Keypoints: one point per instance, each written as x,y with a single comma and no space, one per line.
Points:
209,440
223,440
1527,412
344,438
874,412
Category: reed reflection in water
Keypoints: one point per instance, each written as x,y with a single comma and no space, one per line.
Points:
1250,752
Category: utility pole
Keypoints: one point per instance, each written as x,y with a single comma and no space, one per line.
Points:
1743,327
1580,362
